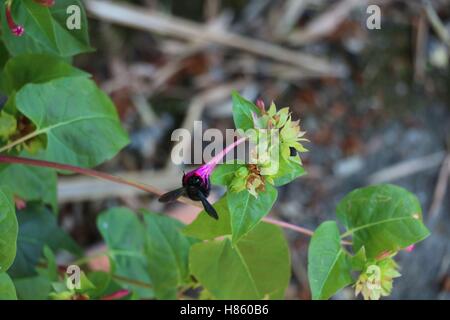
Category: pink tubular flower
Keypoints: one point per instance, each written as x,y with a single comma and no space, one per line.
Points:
46,3
116,295
196,184
204,171
16,29
410,248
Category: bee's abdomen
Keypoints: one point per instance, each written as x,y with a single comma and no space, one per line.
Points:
192,192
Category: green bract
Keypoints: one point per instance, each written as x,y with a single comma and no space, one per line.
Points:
376,278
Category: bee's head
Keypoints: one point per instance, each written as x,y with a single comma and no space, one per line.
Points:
194,181
191,179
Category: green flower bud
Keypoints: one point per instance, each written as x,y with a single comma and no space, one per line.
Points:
248,177
290,133
376,279
240,180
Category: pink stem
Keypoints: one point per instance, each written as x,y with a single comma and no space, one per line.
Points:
86,172
144,187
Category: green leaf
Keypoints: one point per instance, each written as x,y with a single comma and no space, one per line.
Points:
80,122
382,218
7,289
4,56
50,270
36,68
242,112
38,287
124,235
33,288
224,173
8,125
359,260
45,29
10,105
8,230
205,228
329,268
37,228
288,170
246,211
31,183
74,41
167,251
258,267
85,284
103,283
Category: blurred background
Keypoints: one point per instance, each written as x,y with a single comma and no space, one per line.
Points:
375,104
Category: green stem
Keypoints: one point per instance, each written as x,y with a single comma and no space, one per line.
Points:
21,140
346,234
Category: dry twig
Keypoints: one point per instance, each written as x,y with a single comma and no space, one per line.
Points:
140,18
406,168
325,23
436,23
441,187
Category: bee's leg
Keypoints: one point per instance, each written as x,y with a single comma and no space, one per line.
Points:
172,195
208,207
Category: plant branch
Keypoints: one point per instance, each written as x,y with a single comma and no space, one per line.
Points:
289,226
89,172
19,141
138,185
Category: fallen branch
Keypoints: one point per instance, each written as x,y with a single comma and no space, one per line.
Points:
441,187
406,168
437,24
326,23
141,18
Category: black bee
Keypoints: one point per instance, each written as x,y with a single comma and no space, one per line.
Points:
196,186
196,183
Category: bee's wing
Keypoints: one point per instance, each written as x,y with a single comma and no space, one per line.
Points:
172,195
208,207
